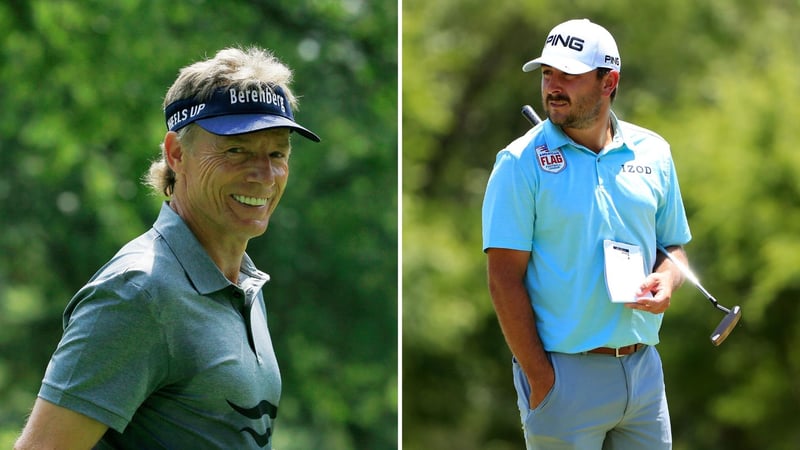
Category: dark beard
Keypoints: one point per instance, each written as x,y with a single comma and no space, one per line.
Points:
583,116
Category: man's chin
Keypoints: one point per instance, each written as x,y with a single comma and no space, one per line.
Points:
251,229
259,229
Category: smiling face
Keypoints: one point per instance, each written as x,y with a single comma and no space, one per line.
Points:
228,186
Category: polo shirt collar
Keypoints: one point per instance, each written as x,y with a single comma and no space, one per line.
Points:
201,270
555,137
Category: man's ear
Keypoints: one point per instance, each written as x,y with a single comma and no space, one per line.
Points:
610,82
173,151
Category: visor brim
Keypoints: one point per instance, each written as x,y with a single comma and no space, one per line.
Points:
232,124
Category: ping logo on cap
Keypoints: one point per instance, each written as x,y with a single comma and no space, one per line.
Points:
575,43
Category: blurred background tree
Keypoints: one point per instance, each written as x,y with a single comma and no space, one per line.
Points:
81,85
719,80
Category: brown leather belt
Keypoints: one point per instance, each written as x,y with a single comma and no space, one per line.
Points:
622,351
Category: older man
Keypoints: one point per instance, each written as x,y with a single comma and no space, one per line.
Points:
167,346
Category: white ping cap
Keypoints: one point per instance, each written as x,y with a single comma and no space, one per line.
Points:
578,46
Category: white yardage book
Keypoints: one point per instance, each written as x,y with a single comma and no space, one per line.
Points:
624,271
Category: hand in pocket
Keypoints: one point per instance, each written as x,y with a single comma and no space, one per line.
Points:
541,386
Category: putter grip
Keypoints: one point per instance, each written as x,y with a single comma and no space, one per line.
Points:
531,115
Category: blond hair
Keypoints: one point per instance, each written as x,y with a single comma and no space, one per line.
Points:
231,67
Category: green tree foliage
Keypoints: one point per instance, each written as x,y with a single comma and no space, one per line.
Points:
81,85
716,79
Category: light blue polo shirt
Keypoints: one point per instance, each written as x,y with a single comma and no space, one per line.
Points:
559,200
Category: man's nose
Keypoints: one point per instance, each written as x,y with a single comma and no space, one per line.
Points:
262,170
552,86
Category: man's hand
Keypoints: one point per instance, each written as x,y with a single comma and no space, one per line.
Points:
660,285
512,304
540,386
666,277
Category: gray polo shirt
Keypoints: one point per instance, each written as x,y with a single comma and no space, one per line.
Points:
166,351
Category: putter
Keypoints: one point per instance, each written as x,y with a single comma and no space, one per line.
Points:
732,315
531,115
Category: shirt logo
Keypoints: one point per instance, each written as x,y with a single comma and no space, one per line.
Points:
263,408
636,168
552,161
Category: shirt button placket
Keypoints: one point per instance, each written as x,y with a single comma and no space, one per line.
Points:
251,297
598,171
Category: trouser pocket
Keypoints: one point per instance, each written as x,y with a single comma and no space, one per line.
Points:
523,388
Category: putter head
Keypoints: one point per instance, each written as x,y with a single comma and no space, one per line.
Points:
726,325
